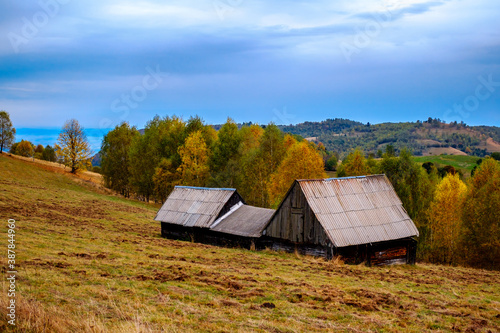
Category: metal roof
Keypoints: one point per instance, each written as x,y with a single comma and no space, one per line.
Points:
358,210
246,221
194,206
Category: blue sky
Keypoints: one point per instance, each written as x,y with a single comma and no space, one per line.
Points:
103,62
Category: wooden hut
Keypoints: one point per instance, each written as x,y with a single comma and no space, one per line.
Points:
359,218
216,216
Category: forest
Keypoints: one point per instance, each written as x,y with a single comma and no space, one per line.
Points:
343,135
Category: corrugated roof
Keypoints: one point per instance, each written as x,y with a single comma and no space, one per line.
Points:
358,210
245,221
194,206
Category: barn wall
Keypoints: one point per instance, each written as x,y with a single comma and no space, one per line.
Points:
205,236
295,221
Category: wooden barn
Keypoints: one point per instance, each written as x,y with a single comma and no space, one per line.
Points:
216,216
359,218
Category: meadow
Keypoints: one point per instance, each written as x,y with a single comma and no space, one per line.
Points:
89,261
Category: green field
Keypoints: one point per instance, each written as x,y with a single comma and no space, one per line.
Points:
91,262
457,161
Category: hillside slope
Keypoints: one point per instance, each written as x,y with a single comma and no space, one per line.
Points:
430,137
96,263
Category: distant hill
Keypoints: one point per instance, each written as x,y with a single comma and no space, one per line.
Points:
430,137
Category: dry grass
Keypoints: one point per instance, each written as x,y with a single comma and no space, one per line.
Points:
89,262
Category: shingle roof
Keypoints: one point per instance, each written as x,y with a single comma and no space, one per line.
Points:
245,221
194,206
358,210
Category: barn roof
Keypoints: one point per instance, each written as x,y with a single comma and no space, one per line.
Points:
246,221
358,210
194,206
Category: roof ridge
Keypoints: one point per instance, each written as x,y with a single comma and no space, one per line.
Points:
206,188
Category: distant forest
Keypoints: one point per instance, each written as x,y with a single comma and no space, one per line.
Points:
343,135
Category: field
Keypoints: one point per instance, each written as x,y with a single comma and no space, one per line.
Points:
463,162
91,262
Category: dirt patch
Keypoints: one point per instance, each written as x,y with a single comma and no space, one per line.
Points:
492,146
447,151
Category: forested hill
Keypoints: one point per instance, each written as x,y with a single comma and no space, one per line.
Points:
430,137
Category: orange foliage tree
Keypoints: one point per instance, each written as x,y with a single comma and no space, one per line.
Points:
302,161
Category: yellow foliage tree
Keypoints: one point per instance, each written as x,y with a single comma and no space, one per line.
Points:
354,164
194,155
74,147
445,219
481,217
301,162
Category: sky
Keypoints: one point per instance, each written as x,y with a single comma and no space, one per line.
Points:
104,62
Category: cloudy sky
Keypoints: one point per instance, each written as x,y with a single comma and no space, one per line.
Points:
103,62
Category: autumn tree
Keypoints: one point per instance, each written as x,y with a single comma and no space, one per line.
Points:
24,148
74,146
302,161
260,163
252,183
354,164
39,151
7,132
115,158
481,217
165,178
445,219
194,168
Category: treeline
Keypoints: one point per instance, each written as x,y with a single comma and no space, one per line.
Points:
459,222
260,161
27,149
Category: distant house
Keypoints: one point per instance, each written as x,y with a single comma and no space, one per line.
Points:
360,218
211,215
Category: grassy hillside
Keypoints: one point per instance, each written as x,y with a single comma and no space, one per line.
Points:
96,263
465,163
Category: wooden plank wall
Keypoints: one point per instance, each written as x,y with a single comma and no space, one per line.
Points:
295,221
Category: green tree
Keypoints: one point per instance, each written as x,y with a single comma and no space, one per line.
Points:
331,163
390,151
49,154
481,217
224,162
115,158
25,148
415,188
7,132
74,147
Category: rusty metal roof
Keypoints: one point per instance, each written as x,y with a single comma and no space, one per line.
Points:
244,221
358,210
194,206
